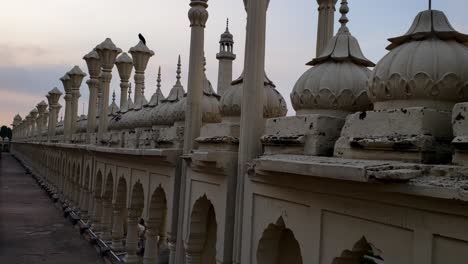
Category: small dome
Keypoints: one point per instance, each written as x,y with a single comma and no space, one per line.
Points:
82,124
336,85
231,101
210,105
163,113
426,67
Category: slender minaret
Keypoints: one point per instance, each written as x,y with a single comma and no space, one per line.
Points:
225,56
325,23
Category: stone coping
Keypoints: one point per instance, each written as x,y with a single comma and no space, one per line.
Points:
438,181
122,151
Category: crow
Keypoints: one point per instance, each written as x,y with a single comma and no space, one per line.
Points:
140,36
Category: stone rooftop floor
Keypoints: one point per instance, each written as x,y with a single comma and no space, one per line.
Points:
32,230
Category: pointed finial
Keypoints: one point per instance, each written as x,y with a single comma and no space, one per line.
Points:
344,9
129,90
227,25
158,81
178,70
113,96
430,4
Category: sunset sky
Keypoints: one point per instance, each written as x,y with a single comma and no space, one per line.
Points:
41,40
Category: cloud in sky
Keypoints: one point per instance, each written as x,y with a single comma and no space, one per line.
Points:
41,40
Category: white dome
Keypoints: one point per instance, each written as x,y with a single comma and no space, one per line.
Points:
336,85
426,67
231,101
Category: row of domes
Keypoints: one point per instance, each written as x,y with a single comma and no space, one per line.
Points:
425,67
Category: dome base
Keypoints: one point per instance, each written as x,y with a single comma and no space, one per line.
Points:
414,134
312,134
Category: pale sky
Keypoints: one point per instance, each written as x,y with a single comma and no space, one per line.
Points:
43,39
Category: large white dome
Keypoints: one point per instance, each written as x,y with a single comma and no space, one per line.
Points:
426,67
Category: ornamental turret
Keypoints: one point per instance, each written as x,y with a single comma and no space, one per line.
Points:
225,56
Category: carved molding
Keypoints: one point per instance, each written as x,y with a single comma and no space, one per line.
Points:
449,87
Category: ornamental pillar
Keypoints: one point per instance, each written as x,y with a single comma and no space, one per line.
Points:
41,108
54,107
117,228
76,77
252,122
97,215
141,55
106,220
33,114
93,62
108,53
325,23
131,243
125,66
198,16
68,107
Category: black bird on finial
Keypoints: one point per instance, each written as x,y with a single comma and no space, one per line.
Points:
140,36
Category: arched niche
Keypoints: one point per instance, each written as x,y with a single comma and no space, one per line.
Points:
278,245
137,199
157,209
201,242
108,188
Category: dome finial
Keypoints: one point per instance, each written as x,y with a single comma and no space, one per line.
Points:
430,4
178,71
158,81
227,25
344,9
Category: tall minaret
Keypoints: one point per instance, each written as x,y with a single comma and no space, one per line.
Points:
225,56
325,23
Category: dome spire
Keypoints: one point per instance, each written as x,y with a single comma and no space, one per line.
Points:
158,80
344,9
343,46
178,70
227,25
430,4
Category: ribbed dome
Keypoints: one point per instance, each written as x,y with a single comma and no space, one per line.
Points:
336,85
210,106
426,67
231,101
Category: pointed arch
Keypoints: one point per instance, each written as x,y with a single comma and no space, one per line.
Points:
108,191
278,245
137,199
157,209
203,231
98,184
